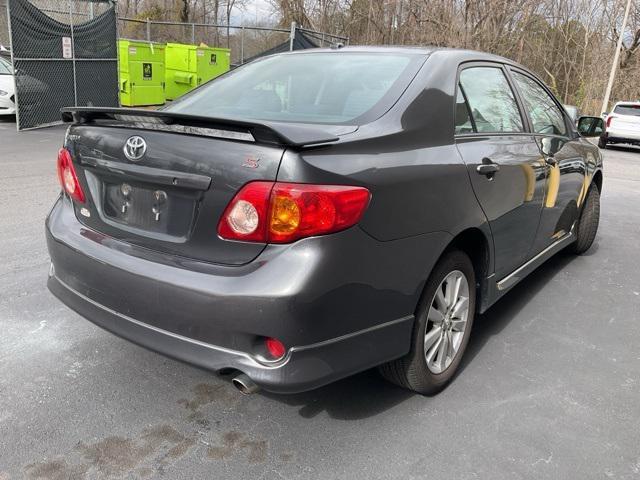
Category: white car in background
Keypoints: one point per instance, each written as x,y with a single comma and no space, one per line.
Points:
7,92
622,125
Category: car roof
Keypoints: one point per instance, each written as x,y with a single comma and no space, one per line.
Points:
629,103
402,49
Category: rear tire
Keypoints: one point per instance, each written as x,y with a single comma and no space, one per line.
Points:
429,372
587,225
602,142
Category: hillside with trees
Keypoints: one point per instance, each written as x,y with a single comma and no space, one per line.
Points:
569,43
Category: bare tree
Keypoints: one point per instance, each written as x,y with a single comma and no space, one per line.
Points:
569,43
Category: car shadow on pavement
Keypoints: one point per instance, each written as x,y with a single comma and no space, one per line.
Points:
494,320
357,397
368,394
624,148
7,119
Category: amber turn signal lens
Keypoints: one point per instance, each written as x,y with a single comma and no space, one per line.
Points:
285,215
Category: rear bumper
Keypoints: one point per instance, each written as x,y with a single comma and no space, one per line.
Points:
336,317
623,135
303,368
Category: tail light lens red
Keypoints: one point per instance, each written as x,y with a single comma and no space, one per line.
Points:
609,118
246,216
279,212
67,176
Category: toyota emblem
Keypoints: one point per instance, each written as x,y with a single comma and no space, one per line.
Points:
135,148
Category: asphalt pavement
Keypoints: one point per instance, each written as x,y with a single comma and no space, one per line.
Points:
550,387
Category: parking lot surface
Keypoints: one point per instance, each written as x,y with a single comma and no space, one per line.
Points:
550,387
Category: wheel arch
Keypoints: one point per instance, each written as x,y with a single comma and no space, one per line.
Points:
475,243
597,180
478,246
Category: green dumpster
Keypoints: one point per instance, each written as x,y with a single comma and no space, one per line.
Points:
141,73
188,66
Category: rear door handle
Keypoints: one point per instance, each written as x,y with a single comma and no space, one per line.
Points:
488,168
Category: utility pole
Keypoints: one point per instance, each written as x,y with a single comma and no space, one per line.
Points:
292,35
616,59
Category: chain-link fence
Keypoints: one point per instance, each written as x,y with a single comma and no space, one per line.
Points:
65,51
64,54
245,42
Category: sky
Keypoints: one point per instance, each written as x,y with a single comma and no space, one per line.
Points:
255,11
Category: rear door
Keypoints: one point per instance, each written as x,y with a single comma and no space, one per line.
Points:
566,165
503,161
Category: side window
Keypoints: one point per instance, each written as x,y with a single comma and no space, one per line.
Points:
546,116
491,101
463,120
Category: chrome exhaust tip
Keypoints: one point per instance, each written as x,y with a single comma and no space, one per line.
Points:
244,384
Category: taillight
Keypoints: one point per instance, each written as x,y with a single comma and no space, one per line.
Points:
279,212
609,118
67,176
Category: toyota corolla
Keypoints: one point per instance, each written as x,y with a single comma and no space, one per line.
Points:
314,214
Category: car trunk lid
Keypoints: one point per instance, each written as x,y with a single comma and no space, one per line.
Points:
626,117
171,198
162,180
626,121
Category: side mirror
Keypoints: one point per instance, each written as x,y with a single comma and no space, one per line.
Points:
590,126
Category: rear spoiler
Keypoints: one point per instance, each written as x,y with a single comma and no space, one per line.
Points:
249,131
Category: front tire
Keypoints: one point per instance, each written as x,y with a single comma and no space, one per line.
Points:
587,225
442,327
602,141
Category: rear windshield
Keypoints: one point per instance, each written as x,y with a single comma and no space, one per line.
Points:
330,88
628,110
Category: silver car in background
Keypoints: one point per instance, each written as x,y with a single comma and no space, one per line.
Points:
622,125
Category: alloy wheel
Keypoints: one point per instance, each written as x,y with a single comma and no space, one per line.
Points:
446,322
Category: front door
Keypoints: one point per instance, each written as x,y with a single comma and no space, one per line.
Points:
565,189
504,163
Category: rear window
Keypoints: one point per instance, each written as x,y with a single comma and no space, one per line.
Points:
330,88
628,110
